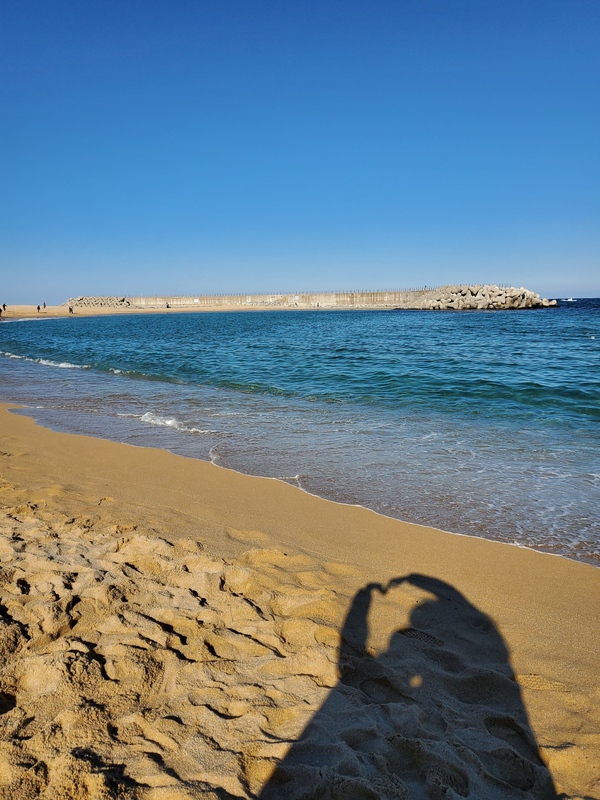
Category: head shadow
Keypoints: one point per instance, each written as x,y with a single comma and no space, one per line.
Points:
437,715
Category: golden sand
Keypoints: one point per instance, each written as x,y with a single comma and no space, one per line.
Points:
28,311
172,629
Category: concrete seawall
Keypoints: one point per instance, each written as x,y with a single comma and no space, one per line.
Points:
456,298
357,299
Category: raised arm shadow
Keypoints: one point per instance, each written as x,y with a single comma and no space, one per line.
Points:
439,714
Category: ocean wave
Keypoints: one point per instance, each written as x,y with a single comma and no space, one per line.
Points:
46,361
133,373
29,319
295,479
168,422
215,458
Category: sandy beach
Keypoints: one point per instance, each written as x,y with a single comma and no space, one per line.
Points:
172,629
29,311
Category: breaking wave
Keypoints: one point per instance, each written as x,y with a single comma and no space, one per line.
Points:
168,422
46,361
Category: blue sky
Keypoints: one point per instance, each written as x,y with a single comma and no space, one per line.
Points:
270,145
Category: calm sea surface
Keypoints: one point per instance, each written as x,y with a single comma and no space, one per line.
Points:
483,423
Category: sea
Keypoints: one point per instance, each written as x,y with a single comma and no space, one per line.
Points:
481,423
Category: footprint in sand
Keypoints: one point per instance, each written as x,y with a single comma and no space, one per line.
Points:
132,667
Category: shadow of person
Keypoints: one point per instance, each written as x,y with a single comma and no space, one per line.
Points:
439,714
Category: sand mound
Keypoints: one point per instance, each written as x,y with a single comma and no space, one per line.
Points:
137,668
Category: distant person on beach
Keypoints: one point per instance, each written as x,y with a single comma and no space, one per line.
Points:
70,309
44,305
38,308
4,307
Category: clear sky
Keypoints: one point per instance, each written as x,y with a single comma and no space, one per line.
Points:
179,146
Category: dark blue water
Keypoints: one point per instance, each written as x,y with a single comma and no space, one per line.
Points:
482,423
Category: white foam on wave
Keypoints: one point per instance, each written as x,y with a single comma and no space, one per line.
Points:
135,373
61,364
29,319
215,458
46,361
168,422
295,479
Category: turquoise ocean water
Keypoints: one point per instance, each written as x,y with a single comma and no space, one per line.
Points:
483,423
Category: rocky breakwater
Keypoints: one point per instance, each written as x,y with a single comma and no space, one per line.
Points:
97,302
481,298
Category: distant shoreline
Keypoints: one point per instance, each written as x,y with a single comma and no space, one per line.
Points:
30,311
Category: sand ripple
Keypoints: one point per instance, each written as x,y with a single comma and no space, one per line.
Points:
134,667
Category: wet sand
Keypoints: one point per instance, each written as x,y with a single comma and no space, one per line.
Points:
172,629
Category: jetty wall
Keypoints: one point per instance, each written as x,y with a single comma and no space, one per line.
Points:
341,299
457,298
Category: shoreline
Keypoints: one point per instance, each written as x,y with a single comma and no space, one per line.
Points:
15,407
545,609
60,312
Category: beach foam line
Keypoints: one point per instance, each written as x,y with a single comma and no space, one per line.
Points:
46,361
27,319
167,422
